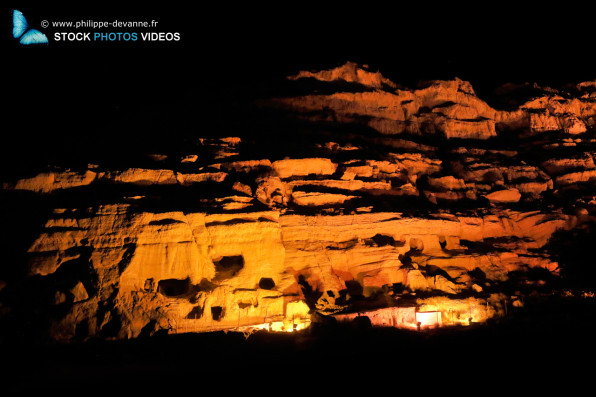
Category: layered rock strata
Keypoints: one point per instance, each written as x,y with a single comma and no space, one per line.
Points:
394,212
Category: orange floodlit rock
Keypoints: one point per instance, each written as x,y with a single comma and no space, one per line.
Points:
303,167
213,272
449,108
397,317
351,73
411,207
504,196
49,181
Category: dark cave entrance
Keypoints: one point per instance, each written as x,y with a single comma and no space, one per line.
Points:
217,313
266,283
173,287
227,267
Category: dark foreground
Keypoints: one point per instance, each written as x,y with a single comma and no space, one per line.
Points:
548,343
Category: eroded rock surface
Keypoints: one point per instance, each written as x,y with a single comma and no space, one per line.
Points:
425,199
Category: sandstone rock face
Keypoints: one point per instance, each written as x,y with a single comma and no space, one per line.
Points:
504,196
385,207
303,167
350,72
201,272
48,181
447,108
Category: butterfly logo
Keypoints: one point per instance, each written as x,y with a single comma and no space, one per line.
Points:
21,31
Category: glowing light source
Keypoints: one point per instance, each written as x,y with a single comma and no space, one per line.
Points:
428,319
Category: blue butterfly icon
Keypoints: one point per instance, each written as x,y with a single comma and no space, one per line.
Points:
21,31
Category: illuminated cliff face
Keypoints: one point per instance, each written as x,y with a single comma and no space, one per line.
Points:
395,218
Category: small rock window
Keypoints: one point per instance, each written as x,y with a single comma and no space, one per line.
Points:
227,267
173,287
217,313
266,283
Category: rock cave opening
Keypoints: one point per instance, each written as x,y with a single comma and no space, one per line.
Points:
196,313
217,313
266,283
227,267
173,287
382,240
